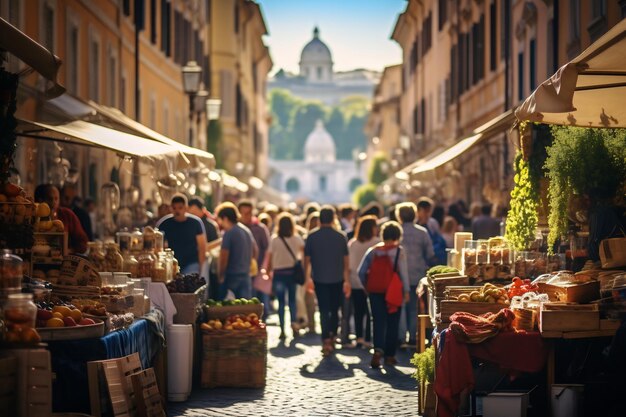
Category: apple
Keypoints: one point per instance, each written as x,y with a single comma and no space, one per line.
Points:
44,314
86,322
12,190
69,322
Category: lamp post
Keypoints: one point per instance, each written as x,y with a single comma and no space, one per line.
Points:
192,73
213,106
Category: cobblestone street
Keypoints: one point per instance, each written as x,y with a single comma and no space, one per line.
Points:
301,383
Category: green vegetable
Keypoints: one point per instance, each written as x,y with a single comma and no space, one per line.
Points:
424,365
521,220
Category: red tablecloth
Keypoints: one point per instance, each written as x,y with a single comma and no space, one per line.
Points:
513,352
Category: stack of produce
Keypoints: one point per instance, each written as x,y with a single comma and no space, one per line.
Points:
234,323
519,287
186,283
488,293
61,316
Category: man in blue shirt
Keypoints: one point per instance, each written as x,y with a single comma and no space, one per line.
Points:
185,235
236,253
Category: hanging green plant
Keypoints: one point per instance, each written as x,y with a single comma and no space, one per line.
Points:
583,164
424,365
521,221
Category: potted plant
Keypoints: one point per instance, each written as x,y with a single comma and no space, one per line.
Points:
587,169
425,374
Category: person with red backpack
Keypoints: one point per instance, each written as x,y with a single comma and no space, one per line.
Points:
383,272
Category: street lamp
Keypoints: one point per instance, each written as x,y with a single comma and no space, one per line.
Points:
199,101
192,73
213,108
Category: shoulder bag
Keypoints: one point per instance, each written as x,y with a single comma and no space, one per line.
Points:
298,270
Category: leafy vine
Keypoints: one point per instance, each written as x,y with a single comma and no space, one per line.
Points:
522,219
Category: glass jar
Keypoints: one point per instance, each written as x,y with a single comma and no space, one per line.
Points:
173,261
95,255
113,258
131,265
167,263
20,312
159,239
148,238
10,272
136,241
122,238
160,270
482,251
146,261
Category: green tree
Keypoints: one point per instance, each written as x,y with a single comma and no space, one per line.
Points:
379,169
336,124
303,123
353,138
282,105
364,194
354,106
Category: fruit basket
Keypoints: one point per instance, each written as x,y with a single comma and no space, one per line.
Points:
72,333
222,312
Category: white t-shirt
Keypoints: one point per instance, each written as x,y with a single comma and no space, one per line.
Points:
281,258
356,251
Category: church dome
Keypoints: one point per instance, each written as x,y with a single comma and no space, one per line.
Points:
319,146
316,62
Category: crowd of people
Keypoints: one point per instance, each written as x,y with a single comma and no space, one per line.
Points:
359,268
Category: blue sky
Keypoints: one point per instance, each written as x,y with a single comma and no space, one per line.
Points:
356,31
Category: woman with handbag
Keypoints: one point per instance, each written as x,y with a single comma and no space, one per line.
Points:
284,255
383,273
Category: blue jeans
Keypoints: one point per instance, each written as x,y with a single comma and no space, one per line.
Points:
284,285
329,299
239,284
385,325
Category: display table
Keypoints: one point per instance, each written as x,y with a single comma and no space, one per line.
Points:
513,352
70,389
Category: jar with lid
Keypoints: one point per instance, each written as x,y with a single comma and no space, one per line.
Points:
482,251
113,258
160,270
148,238
131,265
10,272
167,263
95,254
146,261
159,239
123,240
20,314
136,241
171,256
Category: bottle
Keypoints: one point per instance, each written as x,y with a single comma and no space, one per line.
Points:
131,265
159,239
136,241
123,240
20,313
149,238
95,254
113,258
10,273
146,261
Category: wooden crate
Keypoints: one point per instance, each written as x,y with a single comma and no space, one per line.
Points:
147,396
443,282
34,382
110,383
564,318
234,358
579,293
449,307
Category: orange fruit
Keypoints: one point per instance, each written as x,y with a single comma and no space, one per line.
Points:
55,322
66,311
57,315
76,315
43,210
30,335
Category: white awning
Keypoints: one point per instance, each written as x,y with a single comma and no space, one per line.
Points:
84,133
589,91
122,119
447,155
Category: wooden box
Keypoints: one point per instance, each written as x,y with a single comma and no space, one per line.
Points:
34,382
441,282
577,293
110,386
449,307
566,318
147,397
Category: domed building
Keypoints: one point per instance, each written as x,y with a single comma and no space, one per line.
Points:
317,81
316,61
320,177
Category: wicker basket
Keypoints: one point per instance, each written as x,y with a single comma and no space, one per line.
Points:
224,312
234,358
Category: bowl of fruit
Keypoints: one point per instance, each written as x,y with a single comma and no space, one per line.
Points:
66,322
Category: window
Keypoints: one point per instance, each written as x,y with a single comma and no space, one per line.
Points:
520,76
416,119
166,27
423,116
293,185
574,20
598,9
354,184
94,70
153,20
178,37
126,7
238,106
320,72
550,58
492,36
71,60
453,72
622,5
442,13
207,11
123,93
166,119
236,22
152,119
112,77
505,32
533,64
323,183
48,25
598,24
